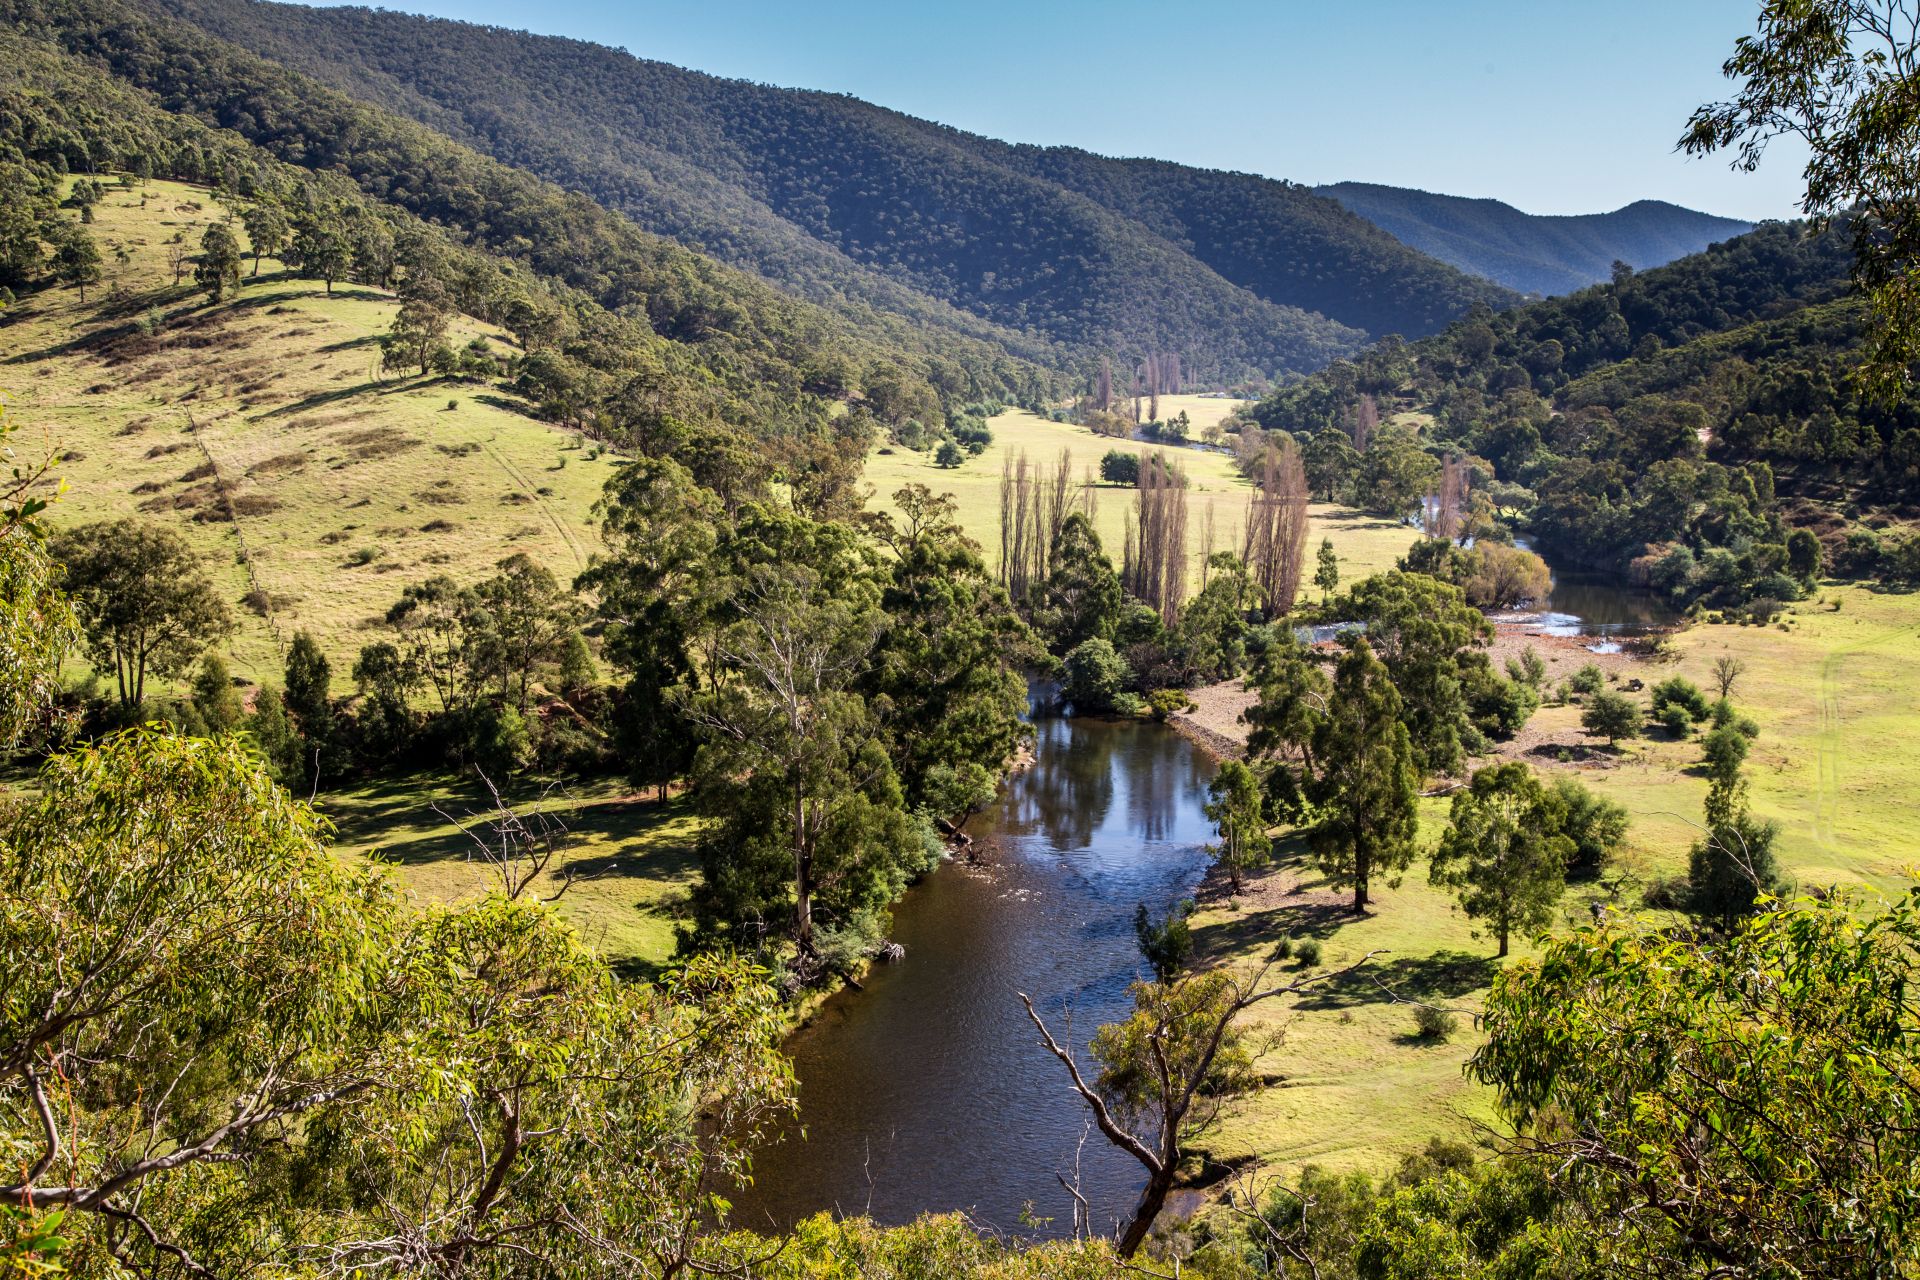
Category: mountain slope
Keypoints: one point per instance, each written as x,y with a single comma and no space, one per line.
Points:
1669,425
835,197
1531,252
1276,239
765,344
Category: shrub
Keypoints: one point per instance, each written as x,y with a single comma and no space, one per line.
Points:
1307,952
949,455
1434,1023
1168,702
1118,466
1612,716
1680,692
1130,705
1674,719
1588,679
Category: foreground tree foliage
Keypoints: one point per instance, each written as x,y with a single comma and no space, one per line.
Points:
224,1049
1735,1107
1842,76
37,624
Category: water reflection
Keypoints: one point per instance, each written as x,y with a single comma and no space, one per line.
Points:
928,1091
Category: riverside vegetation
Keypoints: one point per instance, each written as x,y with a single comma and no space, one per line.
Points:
582,514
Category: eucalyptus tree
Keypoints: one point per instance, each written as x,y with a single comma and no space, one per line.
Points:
811,828
1505,852
145,601
949,657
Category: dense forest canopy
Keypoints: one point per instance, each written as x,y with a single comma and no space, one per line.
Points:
1642,424
846,200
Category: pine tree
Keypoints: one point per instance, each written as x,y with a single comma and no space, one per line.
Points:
1233,806
214,697
1327,575
273,733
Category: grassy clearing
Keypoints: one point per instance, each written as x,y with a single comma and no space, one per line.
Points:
631,856
1365,544
1839,717
345,485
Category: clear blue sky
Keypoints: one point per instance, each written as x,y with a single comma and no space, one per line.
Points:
1554,106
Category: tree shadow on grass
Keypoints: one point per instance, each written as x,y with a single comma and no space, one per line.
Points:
1429,979
513,405
320,399
1257,931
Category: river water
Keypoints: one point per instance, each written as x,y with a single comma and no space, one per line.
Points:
1596,606
929,1091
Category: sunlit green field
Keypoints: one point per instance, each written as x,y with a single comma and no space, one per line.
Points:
1839,713
630,857
1365,544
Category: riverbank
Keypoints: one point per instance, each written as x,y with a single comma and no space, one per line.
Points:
1213,722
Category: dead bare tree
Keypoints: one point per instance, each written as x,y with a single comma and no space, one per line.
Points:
1446,511
1168,1071
1206,544
1275,546
1034,502
521,846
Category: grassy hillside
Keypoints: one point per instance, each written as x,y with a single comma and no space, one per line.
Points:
262,429
841,199
323,460
1535,253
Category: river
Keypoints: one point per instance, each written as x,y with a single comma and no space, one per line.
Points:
929,1091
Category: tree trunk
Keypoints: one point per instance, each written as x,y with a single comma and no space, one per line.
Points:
802,877
1153,1198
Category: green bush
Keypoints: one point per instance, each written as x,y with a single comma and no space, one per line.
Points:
1678,691
1168,702
1434,1023
1094,677
1588,679
1307,952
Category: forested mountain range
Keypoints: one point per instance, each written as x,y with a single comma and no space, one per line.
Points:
1534,253
844,201
134,76
1672,423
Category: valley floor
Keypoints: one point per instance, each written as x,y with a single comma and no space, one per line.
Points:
1831,687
